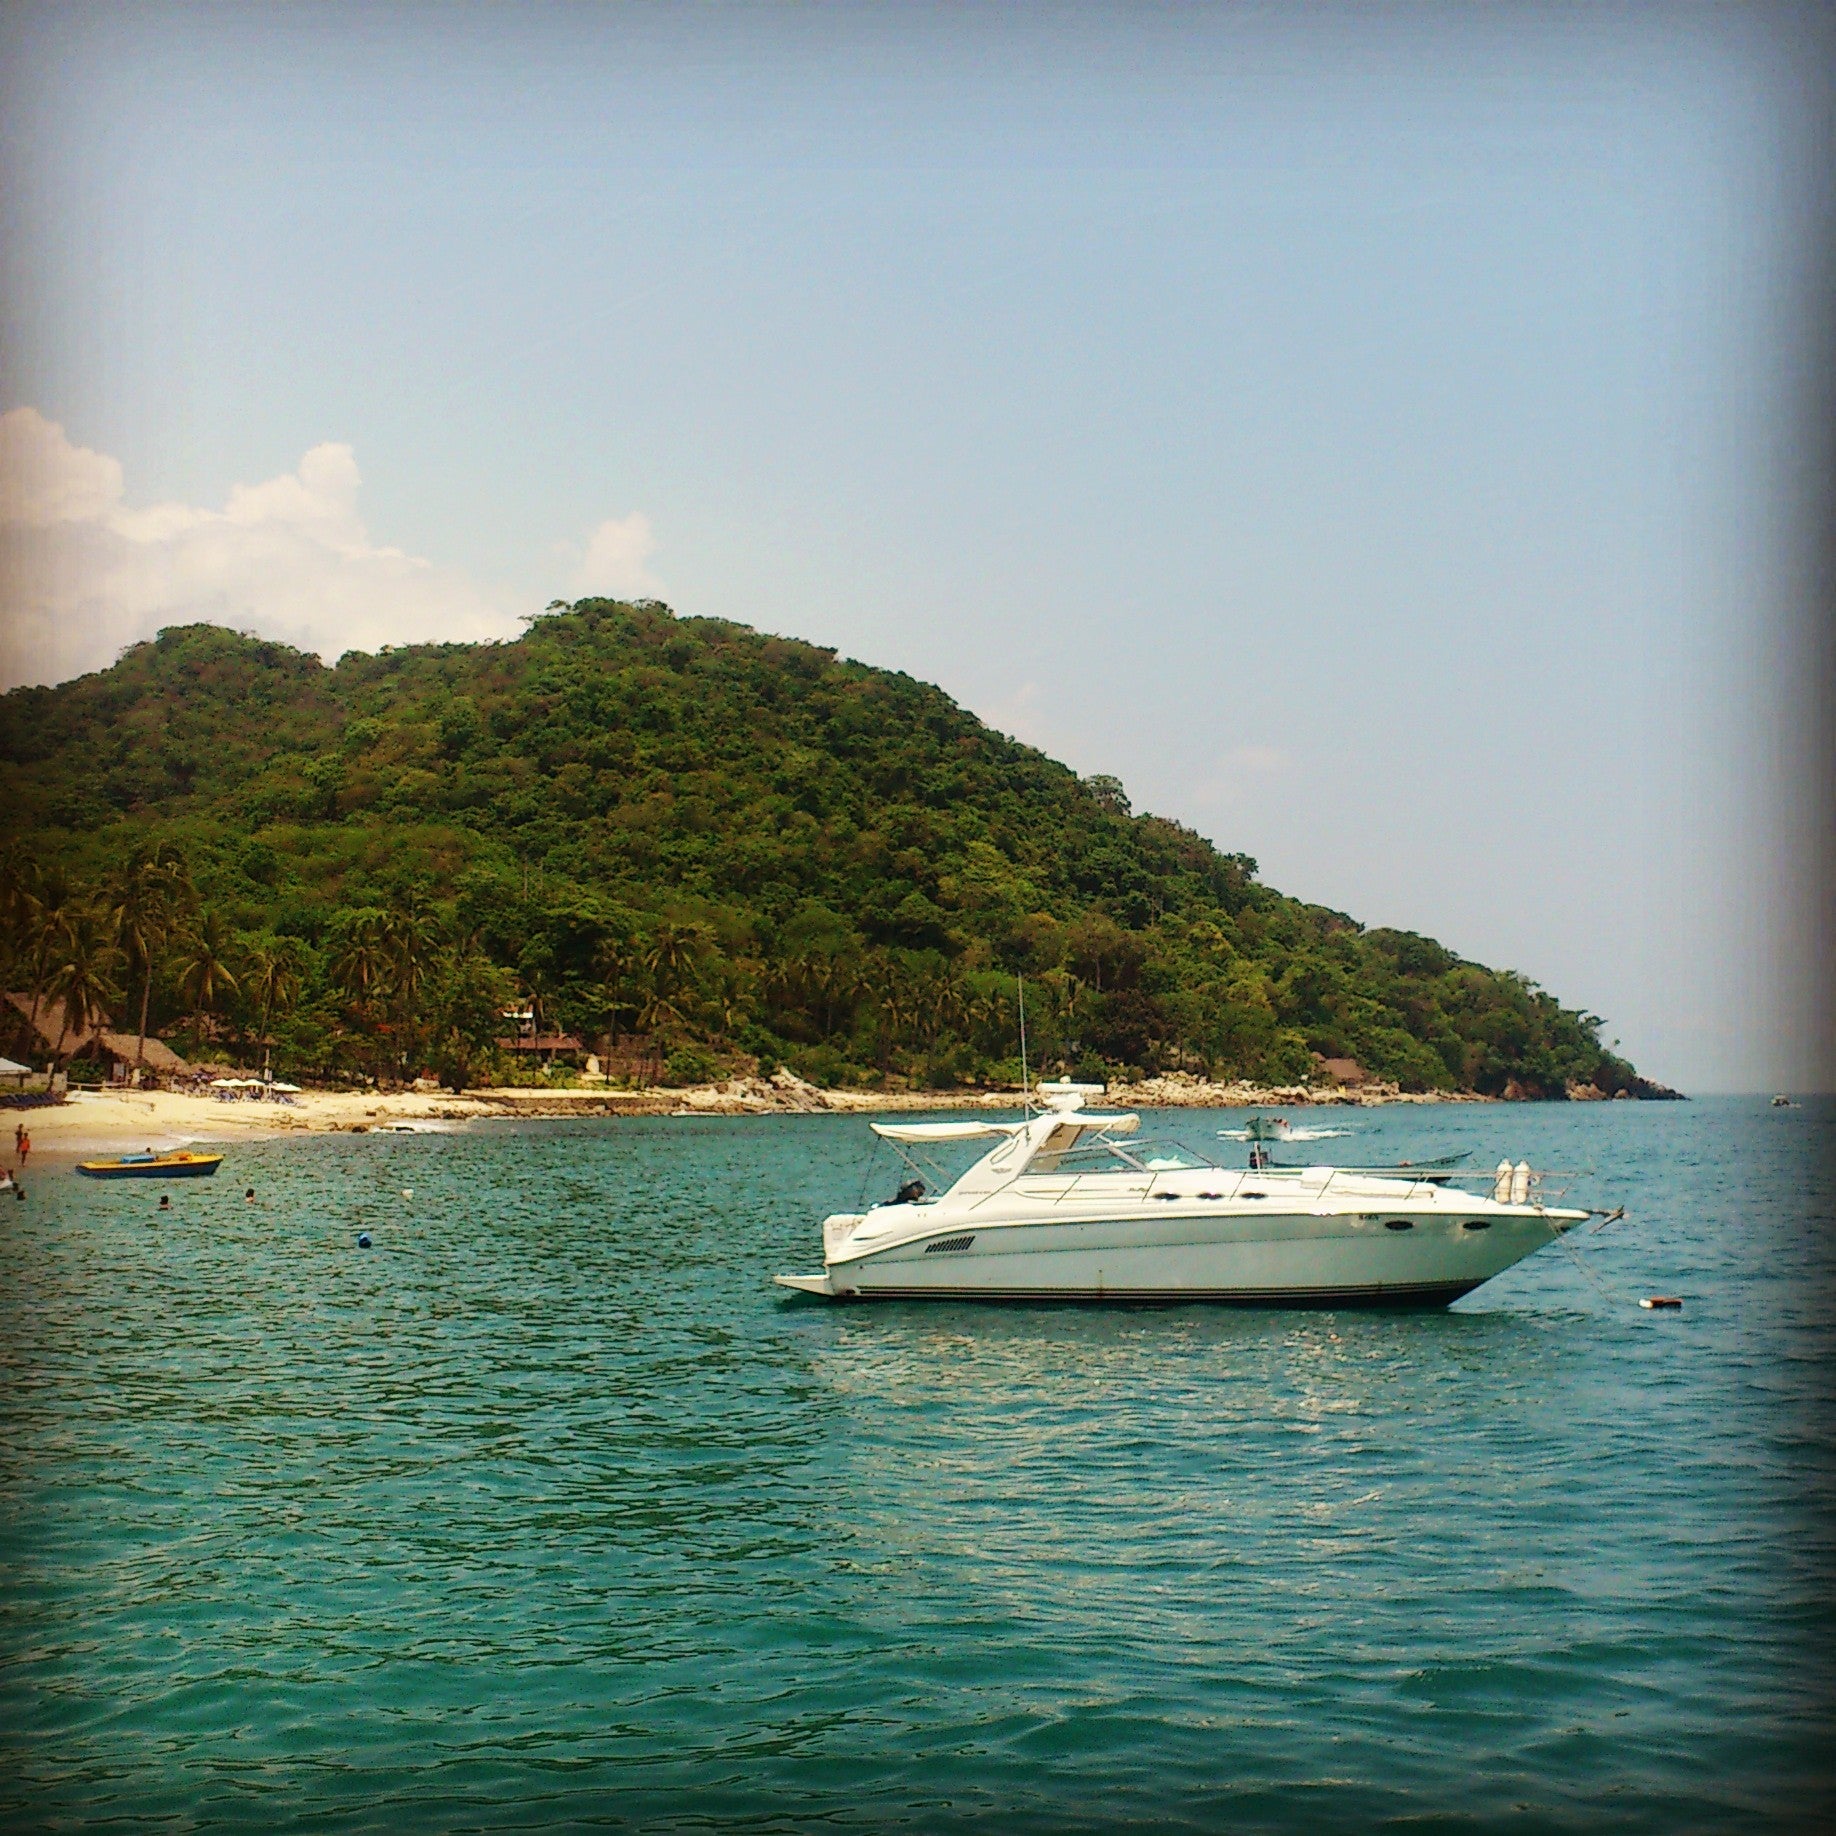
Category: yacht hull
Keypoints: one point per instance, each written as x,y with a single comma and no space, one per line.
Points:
1386,1260
1429,1295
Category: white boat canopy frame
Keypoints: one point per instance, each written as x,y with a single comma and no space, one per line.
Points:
944,1131
1040,1143
981,1131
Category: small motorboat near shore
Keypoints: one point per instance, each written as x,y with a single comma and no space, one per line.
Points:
179,1164
1260,1130
1067,1207
1260,1127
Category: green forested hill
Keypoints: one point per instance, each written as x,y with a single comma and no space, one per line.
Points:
681,831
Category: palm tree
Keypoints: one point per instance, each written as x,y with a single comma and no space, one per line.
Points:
204,971
617,964
49,909
893,995
829,979
360,959
670,958
410,935
79,977
15,908
732,999
659,1013
361,962
273,973
939,1001
469,997
537,981
142,898
674,951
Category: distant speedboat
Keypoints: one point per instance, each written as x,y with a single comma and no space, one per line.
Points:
1277,1128
182,1165
1067,1207
1781,1102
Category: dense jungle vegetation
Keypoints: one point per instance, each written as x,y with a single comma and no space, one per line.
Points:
714,845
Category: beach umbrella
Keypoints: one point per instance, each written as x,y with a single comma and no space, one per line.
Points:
9,1069
286,1089
226,1083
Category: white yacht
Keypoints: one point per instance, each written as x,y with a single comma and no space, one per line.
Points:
1066,1206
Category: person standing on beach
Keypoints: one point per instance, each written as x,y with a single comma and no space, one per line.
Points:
19,1141
24,1144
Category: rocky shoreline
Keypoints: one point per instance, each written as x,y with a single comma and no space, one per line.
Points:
112,1120
784,1093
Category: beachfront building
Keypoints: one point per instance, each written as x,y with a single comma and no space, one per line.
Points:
525,1041
36,1033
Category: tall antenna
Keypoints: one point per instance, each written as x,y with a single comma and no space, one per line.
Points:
1026,1083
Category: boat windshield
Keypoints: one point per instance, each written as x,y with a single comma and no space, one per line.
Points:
1104,1154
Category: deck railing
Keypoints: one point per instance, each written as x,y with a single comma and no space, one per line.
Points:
1230,1183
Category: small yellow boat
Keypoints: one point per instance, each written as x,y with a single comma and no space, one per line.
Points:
179,1165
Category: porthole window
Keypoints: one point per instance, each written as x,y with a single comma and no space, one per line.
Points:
1397,1224
1477,1224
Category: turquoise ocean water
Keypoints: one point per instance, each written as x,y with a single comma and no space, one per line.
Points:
548,1510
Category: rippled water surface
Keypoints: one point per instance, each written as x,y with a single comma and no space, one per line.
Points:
549,1509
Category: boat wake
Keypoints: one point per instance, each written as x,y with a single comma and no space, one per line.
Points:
1282,1131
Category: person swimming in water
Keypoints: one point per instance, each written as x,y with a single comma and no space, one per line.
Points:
165,1203
248,1198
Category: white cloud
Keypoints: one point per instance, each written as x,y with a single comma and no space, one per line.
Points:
613,565
44,480
82,575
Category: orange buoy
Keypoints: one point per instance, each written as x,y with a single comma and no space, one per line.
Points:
1662,1300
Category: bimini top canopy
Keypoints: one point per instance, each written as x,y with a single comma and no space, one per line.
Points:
944,1131
1054,1126
1092,1125
1063,1126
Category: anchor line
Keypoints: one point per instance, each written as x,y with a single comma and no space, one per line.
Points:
1574,1255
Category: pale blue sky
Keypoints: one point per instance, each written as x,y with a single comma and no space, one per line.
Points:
1367,433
